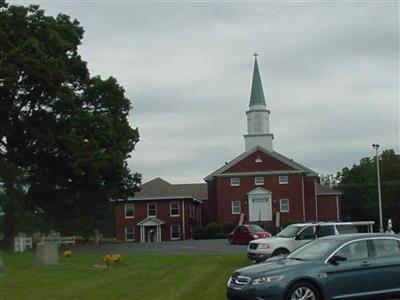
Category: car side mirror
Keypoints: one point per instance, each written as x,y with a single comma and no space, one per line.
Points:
336,258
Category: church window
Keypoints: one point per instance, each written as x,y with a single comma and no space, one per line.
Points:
151,210
235,181
236,207
258,123
283,179
259,180
175,232
174,209
284,205
129,210
129,233
258,160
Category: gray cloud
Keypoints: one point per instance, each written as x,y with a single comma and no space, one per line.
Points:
330,73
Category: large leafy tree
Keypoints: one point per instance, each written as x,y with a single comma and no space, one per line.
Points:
360,189
63,134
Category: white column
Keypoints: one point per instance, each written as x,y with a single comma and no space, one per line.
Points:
302,192
183,218
316,200
337,208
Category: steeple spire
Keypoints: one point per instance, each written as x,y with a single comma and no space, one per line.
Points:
258,115
257,93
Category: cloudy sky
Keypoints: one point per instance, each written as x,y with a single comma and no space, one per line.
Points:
330,72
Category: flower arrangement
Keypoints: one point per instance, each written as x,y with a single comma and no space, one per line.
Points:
68,253
107,259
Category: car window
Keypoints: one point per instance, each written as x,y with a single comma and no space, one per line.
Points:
314,250
354,251
243,229
289,231
386,247
325,230
255,228
346,229
307,234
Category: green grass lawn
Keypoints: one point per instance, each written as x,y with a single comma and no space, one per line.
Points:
138,277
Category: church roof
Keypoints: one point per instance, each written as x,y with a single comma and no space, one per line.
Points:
257,93
290,162
158,188
326,190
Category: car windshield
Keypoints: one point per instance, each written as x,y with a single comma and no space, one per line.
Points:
289,231
315,250
346,228
255,228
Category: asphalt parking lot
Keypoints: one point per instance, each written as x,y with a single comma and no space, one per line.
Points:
188,247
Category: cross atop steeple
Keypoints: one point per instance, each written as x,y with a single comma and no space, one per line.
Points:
255,54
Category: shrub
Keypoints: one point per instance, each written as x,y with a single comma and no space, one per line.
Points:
213,228
208,232
228,227
220,235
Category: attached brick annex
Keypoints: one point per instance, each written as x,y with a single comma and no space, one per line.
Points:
160,212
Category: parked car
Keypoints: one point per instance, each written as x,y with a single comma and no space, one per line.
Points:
355,266
294,236
243,234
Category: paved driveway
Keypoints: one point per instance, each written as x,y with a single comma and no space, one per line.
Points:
193,247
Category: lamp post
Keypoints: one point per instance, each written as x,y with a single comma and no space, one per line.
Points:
376,147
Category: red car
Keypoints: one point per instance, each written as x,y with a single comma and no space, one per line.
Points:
243,234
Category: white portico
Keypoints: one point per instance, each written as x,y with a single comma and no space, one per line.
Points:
260,206
150,229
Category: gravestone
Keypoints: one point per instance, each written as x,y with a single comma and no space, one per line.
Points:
47,254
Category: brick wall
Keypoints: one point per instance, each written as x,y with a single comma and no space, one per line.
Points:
227,193
327,209
163,213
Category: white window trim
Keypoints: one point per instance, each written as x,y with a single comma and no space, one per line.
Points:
280,205
235,183
148,210
179,231
170,209
282,181
259,183
240,208
133,211
126,233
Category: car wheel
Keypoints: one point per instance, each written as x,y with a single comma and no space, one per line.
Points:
231,241
303,290
279,252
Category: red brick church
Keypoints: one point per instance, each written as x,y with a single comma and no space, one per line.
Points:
259,186
263,186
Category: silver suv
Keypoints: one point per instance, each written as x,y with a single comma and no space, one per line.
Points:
294,236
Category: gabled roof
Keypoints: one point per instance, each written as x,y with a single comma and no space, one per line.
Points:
151,221
290,162
158,189
326,190
259,190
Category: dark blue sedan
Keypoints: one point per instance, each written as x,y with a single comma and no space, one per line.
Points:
357,266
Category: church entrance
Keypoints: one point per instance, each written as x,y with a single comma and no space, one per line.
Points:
260,206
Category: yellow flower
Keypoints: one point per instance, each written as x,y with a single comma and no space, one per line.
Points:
68,253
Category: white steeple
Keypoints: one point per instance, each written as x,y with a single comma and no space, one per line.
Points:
258,115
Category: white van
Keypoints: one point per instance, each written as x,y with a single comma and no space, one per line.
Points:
294,236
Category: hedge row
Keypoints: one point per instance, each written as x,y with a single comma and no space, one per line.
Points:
213,231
